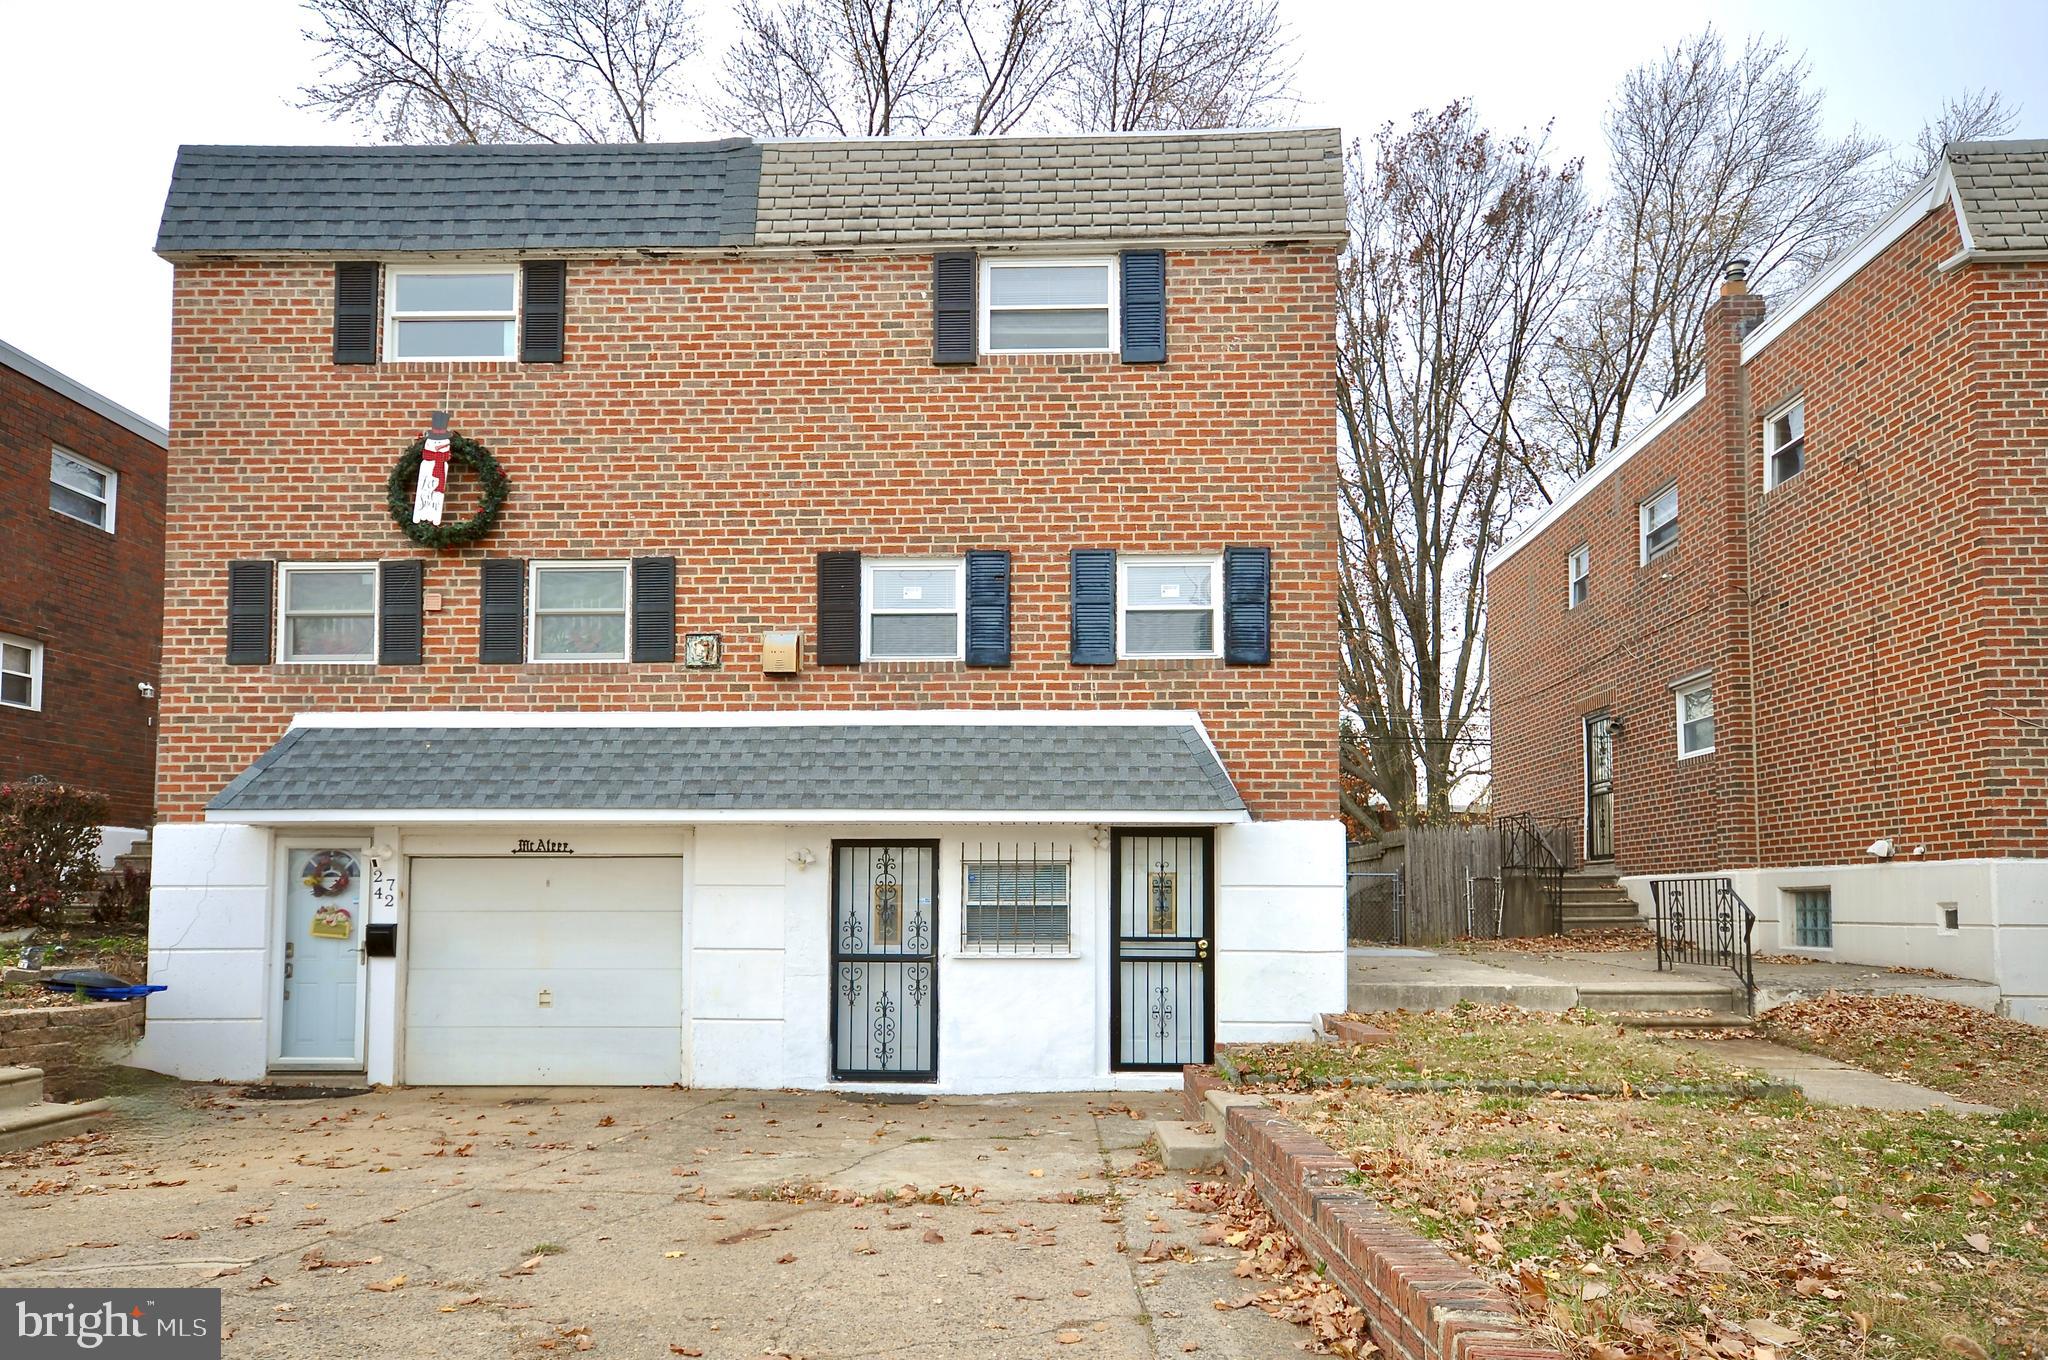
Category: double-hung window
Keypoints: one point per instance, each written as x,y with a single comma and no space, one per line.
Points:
579,611
1048,306
1813,918
1659,516
1579,575
329,613
21,673
1785,444
1015,905
1695,717
912,610
451,312
1170,606
81,489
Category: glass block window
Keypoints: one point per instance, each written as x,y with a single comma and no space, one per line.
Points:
1016,902
1813,918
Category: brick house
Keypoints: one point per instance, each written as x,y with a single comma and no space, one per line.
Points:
81,590
915,582
1792,633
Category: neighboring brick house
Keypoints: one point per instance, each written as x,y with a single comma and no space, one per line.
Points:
1796,631
81,590
917,579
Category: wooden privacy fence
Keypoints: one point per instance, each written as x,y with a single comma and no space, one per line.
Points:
1455,882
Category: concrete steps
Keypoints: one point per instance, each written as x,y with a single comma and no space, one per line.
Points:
1198,1147
27,1120
1594,900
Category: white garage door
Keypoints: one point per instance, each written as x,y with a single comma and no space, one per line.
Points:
544,972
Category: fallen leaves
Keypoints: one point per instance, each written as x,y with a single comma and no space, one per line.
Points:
392,1285
1296,1291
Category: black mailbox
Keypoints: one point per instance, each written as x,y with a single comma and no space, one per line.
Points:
380,940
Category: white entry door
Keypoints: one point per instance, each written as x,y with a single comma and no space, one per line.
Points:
321,974
535,972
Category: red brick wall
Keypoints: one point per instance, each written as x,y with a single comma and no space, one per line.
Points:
743,415
1884,606
94,600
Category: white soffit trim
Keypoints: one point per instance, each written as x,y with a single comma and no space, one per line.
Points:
836,717
35,370
1602,470
674,817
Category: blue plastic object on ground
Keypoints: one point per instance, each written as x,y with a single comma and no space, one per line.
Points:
99,986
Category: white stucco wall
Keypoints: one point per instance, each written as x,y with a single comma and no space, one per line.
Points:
209,912
1280,929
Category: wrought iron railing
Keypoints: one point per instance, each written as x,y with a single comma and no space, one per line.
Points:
1705,921
1526,854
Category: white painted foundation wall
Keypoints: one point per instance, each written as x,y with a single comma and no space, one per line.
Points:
755,996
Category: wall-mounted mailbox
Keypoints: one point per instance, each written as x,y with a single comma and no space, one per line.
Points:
779,653
380,940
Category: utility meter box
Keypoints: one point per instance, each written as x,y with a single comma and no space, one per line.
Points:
781,653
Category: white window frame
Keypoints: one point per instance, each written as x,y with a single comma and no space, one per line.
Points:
35,673
1016,946
868,568
287,570
1578,568
392,316
1771,448
533,611
984,295
1692,684
113,488
1124,607
1643,522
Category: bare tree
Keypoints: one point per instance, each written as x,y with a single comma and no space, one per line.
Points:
1016,52
1171,64
1713,156
1973,116
848,68
412,70
602,67
1464,245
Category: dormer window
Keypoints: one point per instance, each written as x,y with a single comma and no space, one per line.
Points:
451,312
1784,444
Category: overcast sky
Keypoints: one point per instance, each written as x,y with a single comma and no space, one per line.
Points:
96,97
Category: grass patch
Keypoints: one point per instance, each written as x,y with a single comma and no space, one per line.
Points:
1701,1226
1489,1043
1953,1048
546,1249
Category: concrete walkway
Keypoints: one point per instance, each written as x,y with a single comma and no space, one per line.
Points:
659,1220
1827,1082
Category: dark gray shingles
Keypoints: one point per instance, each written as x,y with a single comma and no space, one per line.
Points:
2003,189
883,767
348,199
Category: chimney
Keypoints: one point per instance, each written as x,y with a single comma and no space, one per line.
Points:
1735,279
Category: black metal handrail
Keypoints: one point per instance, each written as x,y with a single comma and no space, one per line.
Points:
1705,921
1523,849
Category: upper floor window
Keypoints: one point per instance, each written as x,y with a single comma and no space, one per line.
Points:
82,490
1695,717
1051,306
329,613
1785,444
579,611
1579,573
451,312
1170,606
911,610
21,673
1659,521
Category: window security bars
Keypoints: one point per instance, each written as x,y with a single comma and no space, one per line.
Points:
1704,921
1017,900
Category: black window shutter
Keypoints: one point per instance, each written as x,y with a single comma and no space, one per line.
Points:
249,593
953,320
1144,306
988,608
1093,584
501,612
401,586
355,312
1247,606
544,295
838,609
654,609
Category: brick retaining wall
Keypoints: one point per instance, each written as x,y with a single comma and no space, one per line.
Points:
68,1042
1422,1302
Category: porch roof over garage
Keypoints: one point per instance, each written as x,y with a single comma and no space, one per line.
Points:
899,767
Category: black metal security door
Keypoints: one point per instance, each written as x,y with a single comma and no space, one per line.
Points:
1599,786
885,961
1162,989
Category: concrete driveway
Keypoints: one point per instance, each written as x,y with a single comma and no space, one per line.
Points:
666,1222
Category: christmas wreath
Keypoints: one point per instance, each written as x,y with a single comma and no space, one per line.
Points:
398,493
329,872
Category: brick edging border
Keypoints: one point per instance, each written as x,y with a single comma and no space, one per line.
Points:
1421,1302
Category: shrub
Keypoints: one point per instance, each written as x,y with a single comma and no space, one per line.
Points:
49,842
123,901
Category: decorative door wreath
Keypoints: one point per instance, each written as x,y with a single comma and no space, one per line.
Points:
329,872
398,493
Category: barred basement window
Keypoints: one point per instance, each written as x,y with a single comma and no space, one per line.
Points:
1813,918
1014,902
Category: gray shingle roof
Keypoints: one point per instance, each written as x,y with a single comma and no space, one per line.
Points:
1233,184
880,767
344,199
354,200
2003,190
